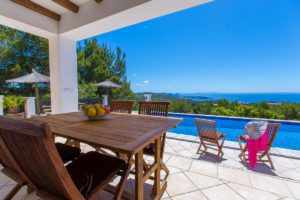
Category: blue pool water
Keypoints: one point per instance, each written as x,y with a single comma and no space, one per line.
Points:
288,135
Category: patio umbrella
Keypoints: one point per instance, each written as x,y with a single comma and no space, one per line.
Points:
33,78
107,84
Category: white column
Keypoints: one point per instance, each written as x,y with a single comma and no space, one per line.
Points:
105,100
63,75
1,104
148,97
30,107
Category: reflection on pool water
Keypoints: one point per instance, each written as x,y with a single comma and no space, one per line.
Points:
288,135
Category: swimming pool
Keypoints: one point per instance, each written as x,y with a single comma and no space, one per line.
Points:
288,135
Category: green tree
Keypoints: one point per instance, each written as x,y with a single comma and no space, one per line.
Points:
223,111
19,53
97,63
87,90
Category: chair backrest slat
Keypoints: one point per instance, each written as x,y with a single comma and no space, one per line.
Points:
207,127
156,108
32,148
121,106
272,131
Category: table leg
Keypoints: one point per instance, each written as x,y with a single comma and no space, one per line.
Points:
158,169
139,182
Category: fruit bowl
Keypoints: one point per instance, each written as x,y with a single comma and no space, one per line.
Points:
97,117
95,112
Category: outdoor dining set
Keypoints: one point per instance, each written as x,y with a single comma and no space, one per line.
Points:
30,156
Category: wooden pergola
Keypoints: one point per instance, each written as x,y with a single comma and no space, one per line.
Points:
49,13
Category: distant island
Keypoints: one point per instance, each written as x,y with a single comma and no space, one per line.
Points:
197,98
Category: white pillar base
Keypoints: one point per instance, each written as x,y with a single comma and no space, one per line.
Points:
30,107
105,100
148,97
1,105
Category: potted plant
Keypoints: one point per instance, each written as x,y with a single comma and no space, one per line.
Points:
14,106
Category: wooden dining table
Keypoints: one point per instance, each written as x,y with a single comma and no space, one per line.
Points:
123,133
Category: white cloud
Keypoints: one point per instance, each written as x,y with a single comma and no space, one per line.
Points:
144,83
134,75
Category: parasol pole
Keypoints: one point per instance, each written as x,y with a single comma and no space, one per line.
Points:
38,108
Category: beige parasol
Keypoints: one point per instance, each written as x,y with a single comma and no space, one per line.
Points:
33,78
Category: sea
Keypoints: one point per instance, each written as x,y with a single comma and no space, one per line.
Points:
244,97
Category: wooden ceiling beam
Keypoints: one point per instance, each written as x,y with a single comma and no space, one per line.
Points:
68,5
37,8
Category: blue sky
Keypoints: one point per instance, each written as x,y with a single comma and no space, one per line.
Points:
222,46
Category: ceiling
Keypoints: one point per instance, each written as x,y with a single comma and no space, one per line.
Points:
51,5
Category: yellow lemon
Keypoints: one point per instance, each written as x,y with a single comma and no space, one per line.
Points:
97,106
85,109
92,112
100,111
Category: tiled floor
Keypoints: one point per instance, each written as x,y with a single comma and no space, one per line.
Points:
204,177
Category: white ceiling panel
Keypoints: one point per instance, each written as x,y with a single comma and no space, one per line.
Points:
49,4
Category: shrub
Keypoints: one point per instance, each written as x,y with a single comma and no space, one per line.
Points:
87,90
13,104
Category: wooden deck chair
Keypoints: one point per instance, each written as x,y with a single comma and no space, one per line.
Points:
208,134
66,152
10,171
156,108
121,106
31,148
272,129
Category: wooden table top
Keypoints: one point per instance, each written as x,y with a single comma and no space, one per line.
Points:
120,132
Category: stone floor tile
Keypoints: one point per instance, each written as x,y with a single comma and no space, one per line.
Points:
270,184
282,164
179,162
171,135
3,179
202,181
232,162
4,190
174,170
186,153
294,188
204,168
179,184
22,194
177,148
169,150
165,195
234,175
197,195
252,193
166,157
221,192
293,174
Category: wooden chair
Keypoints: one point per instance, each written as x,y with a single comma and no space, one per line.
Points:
156,108
272,129
10,170
207,133
31,149
121,106
66,152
